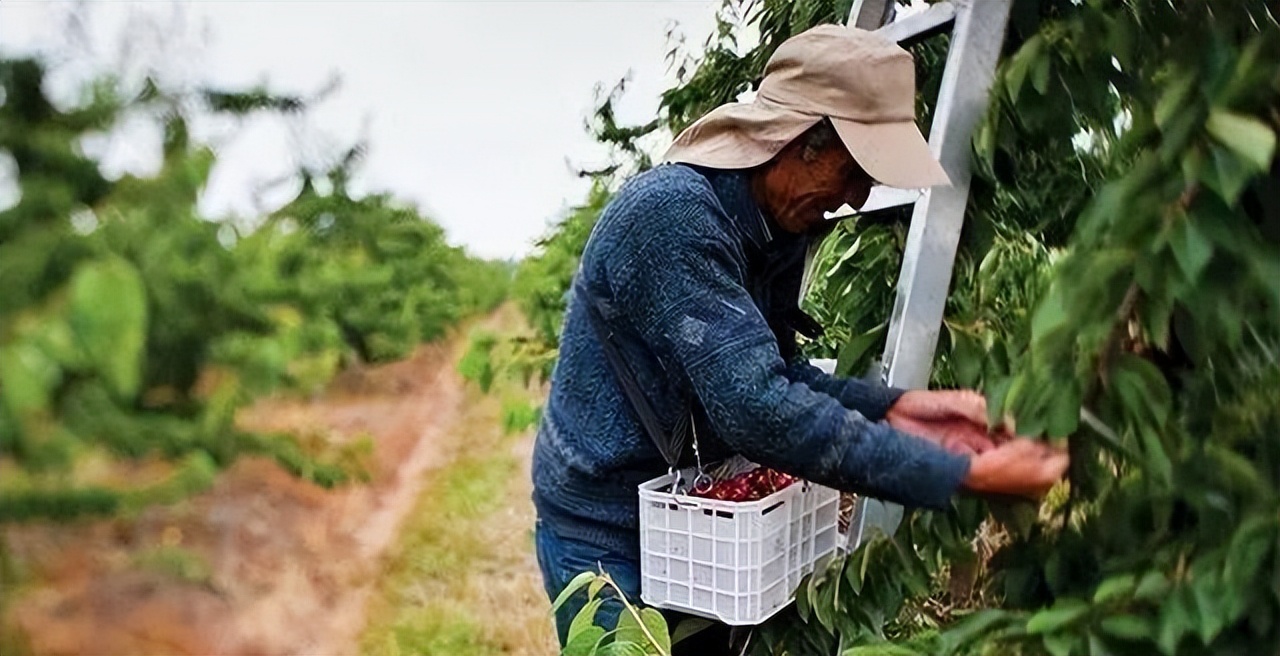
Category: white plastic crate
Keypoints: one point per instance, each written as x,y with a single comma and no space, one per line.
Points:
736,562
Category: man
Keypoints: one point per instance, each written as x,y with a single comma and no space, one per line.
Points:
694,269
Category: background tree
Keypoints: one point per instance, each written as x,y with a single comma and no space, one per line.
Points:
132,327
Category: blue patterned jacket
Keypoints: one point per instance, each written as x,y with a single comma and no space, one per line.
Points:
702,289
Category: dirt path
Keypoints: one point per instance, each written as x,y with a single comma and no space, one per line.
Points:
262,563
463,580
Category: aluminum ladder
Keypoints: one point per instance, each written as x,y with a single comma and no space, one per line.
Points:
977,29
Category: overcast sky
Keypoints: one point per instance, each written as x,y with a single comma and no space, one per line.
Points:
472,109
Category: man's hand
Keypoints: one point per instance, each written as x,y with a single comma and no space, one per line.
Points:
999,462
953,419
1019,467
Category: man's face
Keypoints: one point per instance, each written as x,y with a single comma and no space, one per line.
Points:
804,182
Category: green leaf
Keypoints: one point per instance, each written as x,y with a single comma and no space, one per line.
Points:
1097,647
617,648
629,630
1040,75
996,392
1242,473
1063,613
881,649
804,591
1020,64
982,623
1174,623
108,309
823,588
574,585
1121,39
29,377
1156,313
966,357
1114,588
823,608
1063,644
54,337
657,626
584,643
1209,605
1050,315
595,587
1191,248
1153,586
1175,99
1249,546
1156,460
585,619
1246,136
1227,174
1106,436
1064,411
1143,389
689,627
1192,165
866,556
1127,627
854,350
984,143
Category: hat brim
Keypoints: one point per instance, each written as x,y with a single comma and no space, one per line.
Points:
893,154
746,135
739,136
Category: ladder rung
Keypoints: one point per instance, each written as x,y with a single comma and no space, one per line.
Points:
920,25
881,198
886,197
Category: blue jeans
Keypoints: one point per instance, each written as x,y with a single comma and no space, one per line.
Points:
561,559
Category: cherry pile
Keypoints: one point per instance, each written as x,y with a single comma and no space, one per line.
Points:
748,486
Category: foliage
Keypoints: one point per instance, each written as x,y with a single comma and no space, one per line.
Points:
540,289
851,291
723,70
640,631
542,280
133,326
1118,286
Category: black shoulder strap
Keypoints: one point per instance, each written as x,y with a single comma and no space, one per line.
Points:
670,446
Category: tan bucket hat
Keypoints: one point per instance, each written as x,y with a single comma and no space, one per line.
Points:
863,82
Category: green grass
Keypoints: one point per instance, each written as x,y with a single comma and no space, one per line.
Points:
424,605
439,629
476,487
459,581
176,562
12,577
441,545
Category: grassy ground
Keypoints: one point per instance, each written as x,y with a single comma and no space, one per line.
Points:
463,580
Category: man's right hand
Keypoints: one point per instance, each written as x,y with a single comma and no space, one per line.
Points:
1018,467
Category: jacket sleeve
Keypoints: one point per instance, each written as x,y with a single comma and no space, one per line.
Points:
873,401
679,284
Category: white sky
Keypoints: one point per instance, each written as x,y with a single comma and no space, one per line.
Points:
473,110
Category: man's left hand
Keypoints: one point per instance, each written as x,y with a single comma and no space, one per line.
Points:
953,419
